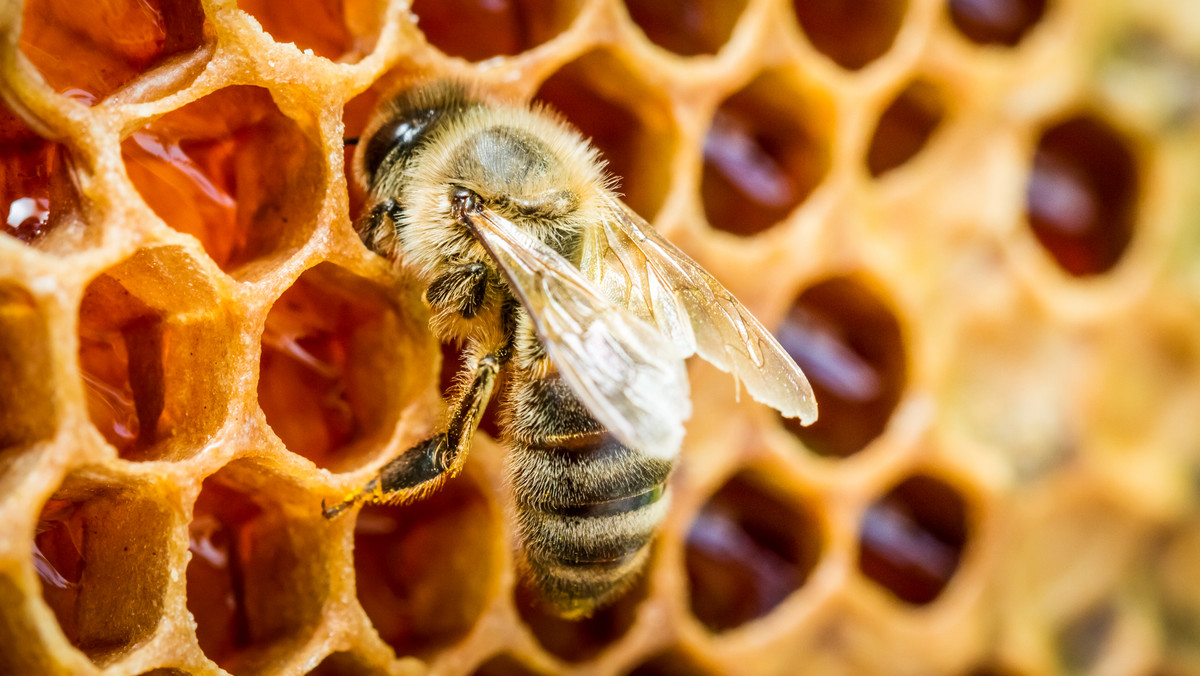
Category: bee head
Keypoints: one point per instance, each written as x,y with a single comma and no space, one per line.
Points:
404,123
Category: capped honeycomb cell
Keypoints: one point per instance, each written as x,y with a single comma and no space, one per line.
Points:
36,190
100,552
479,29
852,33
340,30
143,334
912,539
214,169
996,22
117,39
905,127
339,363
766,151
624,117
424,571
686,27
849,344
251,585
27,407
1082,194
750,547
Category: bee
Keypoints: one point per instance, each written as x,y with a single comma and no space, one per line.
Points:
572,309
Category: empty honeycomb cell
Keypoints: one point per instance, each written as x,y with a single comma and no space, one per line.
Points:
36,190
849,344
254,581
505,665
996,22
144,327
424,571
905,126
579,640
687,27
627,119
1083,640
480,29
345,664
339,363
340,30
1082,195
911,540
852,33
215,169
101,556
749,548
672,663
767,149
27,409
116,39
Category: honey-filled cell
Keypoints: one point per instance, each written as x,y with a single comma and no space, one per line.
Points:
749,548
425,571
36,189
626,119
905,127
88,50
216,169
142,339
686,27
849,344
480,29
101,555
1082,195
253,584
581,639
346,664
996,22
912,539
852,33
339,363
672,663
767,149
340,30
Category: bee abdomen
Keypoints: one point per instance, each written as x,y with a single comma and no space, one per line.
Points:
587,509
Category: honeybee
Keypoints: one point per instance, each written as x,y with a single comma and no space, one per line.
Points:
573,308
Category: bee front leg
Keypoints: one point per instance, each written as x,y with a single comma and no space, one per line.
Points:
422,468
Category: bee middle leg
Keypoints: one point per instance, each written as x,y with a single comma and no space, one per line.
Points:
422,468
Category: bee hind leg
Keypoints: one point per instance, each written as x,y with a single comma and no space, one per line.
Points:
422,468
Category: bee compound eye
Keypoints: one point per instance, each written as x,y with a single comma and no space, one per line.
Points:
400,134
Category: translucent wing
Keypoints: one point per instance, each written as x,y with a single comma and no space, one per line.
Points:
643,272
626,372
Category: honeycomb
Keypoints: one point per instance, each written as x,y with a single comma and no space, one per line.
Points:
972,222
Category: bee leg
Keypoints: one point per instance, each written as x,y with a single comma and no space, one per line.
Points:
422,468
462,290
374,220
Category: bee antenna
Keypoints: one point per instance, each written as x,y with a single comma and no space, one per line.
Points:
352,141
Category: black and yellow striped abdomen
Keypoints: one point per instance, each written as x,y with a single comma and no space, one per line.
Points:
587,506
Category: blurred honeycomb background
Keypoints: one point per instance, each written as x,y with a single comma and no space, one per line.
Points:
974,223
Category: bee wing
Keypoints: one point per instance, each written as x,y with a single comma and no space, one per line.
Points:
626,372
645,273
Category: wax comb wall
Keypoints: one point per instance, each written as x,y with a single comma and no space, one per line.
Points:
972,222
